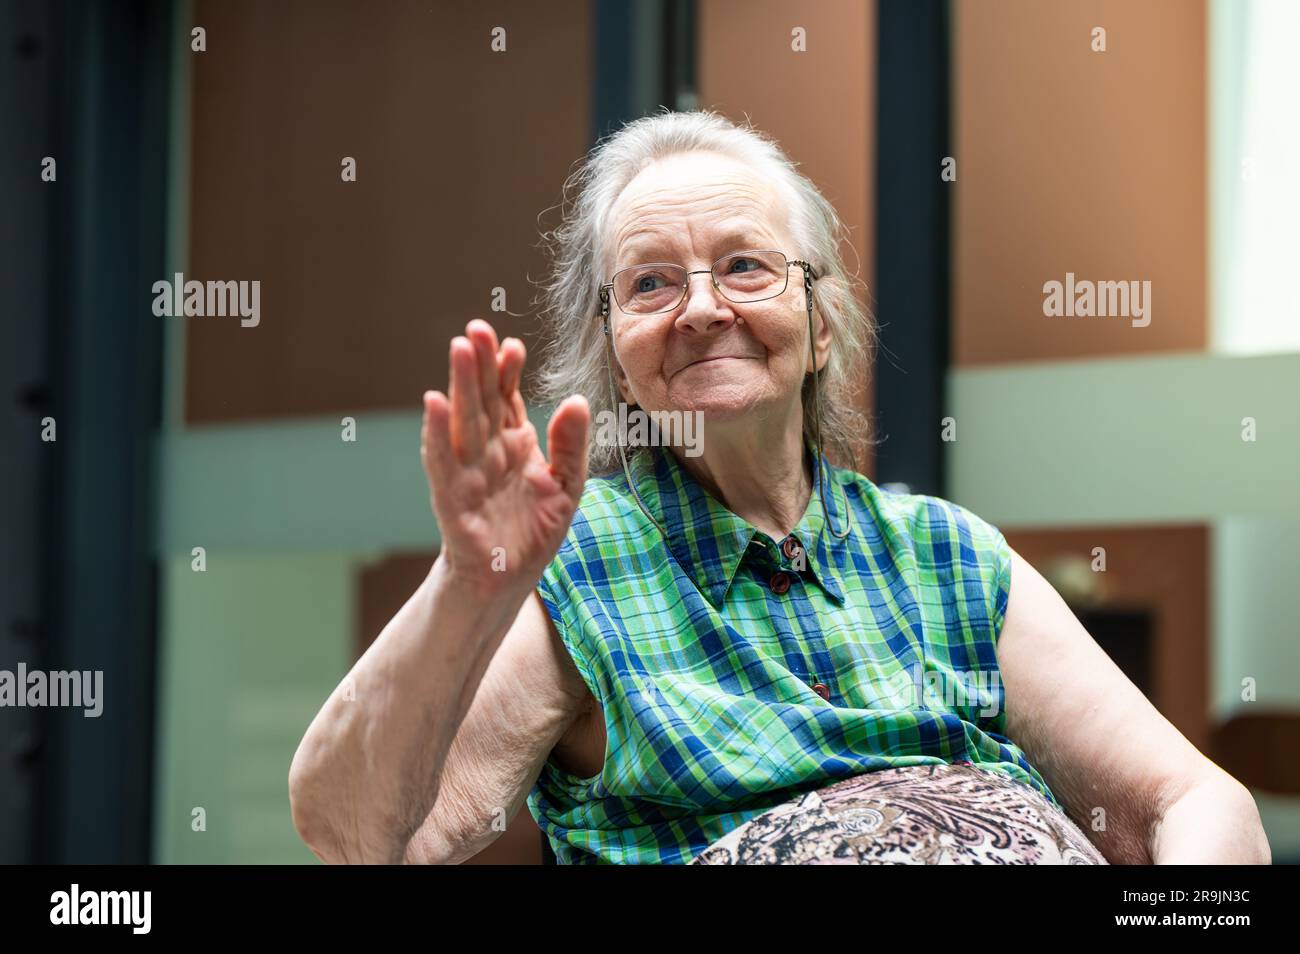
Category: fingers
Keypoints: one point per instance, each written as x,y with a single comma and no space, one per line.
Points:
510,370
566,443
435,437
468,419
484,394
520,412
484,339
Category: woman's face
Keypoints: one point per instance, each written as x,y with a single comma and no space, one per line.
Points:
709,354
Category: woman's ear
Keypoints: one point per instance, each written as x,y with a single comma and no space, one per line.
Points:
624,389
822,336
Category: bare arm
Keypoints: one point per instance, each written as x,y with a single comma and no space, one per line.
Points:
368,771
1100,744
530,696
369,768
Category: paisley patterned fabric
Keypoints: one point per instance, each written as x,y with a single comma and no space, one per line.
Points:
923,814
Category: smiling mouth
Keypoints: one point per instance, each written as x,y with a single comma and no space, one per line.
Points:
722,357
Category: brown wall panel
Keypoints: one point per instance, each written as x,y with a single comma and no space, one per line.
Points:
458,150
819,104
1164,570
1075,161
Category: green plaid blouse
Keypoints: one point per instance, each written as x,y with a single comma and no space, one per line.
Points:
736,671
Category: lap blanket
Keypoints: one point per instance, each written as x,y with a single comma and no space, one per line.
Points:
921,814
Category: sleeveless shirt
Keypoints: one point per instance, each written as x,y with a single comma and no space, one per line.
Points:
736,672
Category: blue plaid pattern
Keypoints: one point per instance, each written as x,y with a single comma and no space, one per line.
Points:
703,650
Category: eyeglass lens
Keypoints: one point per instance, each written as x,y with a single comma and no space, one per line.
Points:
741,277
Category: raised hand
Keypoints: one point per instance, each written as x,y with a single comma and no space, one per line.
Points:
502,509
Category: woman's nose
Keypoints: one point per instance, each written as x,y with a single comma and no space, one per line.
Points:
706,309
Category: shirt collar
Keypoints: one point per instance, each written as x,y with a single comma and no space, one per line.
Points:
709,541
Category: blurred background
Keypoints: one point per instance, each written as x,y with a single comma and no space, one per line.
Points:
229,515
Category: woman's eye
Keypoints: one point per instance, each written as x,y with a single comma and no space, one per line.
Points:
744,261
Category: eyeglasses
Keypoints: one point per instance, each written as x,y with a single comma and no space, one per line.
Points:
740,277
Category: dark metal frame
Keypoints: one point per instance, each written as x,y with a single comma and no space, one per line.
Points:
912,241
107,236
659,34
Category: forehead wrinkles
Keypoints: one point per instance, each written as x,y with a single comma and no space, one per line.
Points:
666,210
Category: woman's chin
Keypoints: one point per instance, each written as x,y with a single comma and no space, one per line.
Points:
720,405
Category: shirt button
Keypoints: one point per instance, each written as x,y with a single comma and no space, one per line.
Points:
822,690
780,582
790,547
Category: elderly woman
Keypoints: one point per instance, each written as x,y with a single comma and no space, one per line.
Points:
735,652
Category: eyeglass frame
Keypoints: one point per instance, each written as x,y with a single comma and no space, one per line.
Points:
605,290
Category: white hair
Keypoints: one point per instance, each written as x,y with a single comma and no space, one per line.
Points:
573,356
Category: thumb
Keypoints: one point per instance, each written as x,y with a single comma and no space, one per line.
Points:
566,443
